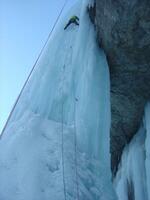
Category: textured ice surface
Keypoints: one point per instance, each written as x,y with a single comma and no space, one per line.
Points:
57,140
147,148
133,179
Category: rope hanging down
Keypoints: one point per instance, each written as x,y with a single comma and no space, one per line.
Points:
75,135
75,144
33,68
62,127
63,159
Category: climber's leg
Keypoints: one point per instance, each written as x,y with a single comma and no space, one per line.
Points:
75,22
67,25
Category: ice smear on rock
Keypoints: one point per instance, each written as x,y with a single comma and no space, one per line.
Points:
57,140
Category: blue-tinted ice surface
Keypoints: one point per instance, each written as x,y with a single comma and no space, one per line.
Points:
133,178
57,140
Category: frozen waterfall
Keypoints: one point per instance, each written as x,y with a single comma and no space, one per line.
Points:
56,143
133,178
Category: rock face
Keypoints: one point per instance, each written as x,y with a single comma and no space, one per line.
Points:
123,28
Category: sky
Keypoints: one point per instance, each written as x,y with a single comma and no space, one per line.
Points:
24,28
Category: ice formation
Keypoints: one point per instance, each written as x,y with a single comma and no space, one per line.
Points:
133,178
56,144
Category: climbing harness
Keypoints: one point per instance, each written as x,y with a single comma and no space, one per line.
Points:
33,68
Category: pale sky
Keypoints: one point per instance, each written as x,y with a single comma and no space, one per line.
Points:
24,27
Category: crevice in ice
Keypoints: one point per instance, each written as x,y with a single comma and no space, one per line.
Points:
130,190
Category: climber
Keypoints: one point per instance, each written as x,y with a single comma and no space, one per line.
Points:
73,20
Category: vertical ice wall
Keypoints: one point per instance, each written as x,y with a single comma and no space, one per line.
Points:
56,144
133,179
147,148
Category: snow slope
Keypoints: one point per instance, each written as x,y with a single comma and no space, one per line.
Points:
56,144
133,179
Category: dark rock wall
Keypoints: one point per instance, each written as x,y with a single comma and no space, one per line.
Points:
123,28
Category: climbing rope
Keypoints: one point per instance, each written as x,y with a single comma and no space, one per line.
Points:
62,126
33,68
75,133
63,159
75,143
75,147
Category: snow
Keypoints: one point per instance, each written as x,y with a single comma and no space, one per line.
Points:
56,144
133,178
